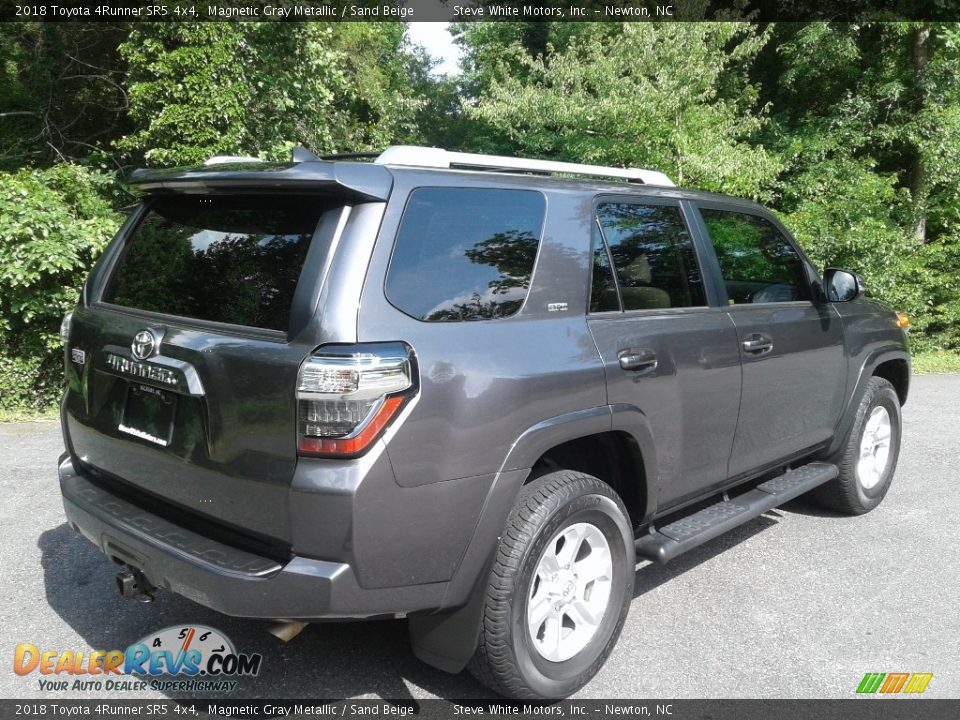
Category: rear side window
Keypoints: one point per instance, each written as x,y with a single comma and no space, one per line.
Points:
653,256
758,264
229,259
465,254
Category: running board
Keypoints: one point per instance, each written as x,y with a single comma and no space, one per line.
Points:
687,533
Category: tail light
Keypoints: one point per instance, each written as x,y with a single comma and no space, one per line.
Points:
346,399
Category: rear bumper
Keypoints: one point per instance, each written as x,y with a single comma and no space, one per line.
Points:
224,578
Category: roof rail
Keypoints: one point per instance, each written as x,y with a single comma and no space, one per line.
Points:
227,159
351,156
416,156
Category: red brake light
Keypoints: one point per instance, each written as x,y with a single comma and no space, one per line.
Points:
359,442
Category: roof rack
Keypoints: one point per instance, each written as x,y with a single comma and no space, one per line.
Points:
416,156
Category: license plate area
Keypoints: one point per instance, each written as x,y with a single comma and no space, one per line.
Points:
148,414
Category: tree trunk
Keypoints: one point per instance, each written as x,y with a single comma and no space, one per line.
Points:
920,55
535,38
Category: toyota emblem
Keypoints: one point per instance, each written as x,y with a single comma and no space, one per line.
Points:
144,344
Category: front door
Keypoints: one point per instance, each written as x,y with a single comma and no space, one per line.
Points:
791,347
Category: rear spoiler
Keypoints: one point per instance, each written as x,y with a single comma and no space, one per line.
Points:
359,181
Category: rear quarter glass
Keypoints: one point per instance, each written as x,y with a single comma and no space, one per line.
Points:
465,254
223,258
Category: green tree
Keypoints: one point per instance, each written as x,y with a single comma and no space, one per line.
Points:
866,120
61,91
53,225
673,96
200,89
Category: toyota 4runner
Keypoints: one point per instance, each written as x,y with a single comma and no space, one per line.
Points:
466,390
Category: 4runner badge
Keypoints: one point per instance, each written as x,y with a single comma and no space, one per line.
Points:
143,345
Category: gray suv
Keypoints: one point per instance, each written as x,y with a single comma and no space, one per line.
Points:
465,390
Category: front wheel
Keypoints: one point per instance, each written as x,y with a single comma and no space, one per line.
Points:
869,458
559,589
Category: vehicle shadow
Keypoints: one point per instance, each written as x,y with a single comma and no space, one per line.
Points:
326,661
329,661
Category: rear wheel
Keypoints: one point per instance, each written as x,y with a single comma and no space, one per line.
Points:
869,458
559,590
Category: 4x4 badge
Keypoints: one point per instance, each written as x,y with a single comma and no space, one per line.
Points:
144,344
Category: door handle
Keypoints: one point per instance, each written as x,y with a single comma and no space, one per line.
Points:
637,360
757,344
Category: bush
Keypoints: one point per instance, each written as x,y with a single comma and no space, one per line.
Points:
53,225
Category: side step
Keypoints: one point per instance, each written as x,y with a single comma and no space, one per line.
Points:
687,533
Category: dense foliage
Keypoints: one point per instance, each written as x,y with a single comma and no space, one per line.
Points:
675,97
53,225
261,88
850,131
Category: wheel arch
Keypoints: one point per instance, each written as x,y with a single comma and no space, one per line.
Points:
612,457
892,364
897,371
447,638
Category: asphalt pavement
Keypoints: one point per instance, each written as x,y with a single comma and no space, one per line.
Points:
799,603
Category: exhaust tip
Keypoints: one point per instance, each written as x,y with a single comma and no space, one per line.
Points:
286,631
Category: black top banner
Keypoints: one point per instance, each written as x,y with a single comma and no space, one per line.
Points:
478,10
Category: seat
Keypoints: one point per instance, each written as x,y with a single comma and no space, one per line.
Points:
636,290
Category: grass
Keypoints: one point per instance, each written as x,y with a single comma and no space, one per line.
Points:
936,361
29,415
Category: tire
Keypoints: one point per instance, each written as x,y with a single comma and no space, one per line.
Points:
572,643
861,486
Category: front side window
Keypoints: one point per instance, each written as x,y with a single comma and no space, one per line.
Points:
757,262
653,256
465,254
231,259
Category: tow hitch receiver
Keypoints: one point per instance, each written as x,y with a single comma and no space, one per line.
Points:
134,584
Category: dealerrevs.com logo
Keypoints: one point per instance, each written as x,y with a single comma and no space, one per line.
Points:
202,657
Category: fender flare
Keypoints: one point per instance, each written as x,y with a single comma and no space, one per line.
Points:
870,364
446,639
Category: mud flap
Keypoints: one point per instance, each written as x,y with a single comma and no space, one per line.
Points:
447,640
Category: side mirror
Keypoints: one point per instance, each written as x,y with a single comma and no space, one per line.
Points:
841,285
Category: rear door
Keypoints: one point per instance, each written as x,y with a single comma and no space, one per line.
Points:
190,342
668,347
791,348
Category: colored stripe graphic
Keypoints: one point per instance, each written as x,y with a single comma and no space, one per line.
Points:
918,682
870,682
893,683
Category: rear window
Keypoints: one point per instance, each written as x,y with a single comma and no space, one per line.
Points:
465,254
229,259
